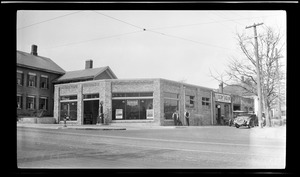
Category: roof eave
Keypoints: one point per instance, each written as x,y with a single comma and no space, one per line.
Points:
41,69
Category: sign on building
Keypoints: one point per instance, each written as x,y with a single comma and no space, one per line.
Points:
119,113
150,114
222,98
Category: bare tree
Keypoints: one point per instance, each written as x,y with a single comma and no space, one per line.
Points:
242,71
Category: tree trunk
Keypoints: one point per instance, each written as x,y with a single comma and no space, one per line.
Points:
267,112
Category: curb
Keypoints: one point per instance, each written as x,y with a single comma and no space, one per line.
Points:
70,127
90,128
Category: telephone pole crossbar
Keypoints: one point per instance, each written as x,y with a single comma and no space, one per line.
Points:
258,74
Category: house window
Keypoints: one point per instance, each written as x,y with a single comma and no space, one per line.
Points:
20,77
31,80
205,101
44,82
189,101
43,103
30,102
19,101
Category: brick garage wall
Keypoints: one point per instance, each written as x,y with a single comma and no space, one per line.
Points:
171,87
199,114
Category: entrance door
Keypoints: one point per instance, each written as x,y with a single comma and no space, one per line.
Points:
218,114
90,111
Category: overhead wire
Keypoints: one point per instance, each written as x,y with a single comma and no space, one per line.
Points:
203,23
198,42
47,20
118,20
94,39
143,29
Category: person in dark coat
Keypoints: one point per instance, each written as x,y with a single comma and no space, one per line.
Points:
187,117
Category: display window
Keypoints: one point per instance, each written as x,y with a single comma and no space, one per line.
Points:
68,109
132,109
170,106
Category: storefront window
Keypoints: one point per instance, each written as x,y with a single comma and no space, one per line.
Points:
69,97
91,96
133,94
131,109
170,106
118,109
68,109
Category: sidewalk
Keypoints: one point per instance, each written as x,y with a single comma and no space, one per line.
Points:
91,127
70,126
270,132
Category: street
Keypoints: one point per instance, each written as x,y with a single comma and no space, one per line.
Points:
213,147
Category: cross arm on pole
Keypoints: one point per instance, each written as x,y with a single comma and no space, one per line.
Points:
254,25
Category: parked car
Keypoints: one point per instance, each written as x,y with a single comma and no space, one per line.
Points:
245,119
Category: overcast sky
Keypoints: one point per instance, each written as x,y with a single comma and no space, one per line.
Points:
174,45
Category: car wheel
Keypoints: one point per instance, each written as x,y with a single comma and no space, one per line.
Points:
237,126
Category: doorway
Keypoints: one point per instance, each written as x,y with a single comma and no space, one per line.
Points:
90,111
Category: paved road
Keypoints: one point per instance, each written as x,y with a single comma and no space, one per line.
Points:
190,147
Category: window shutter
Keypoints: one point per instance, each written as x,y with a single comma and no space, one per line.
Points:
22,79
35,102
26,102
35,81
47,100
41,86
21,101
27,80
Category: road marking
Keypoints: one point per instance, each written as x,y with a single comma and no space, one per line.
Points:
165,140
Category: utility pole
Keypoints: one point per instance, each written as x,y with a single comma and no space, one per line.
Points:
258,74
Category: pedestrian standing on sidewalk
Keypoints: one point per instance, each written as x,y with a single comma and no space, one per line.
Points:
175,117
187,117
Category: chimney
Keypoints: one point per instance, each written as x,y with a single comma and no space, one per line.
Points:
34,50
242,78
88,64
221,87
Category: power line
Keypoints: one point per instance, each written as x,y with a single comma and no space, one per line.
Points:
223,16
47,20
119,20
94,39
203,23
178,37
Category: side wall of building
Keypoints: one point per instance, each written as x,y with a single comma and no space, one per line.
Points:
24,90
199,114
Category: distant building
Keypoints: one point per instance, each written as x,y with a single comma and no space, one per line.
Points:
87,74
34,83
242,99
